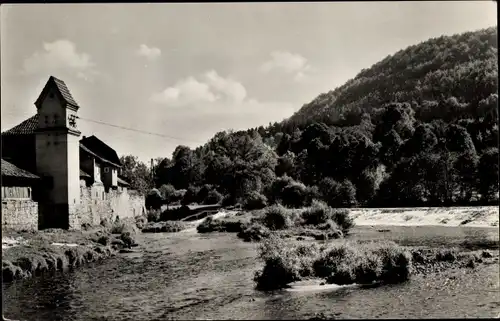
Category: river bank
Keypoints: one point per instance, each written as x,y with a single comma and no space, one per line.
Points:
192,276
27,254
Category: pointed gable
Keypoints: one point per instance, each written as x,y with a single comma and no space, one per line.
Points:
61,89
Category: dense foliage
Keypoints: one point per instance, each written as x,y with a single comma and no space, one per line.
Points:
419,128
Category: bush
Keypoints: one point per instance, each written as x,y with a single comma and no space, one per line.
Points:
284,263
254,232
294,195
154,200
446,255
278,217
322,235
312,193
203,193
254,201
318,213
103,240
141,221
274,192
120,227
342,218
325,217
165,227
348,263
153,215
191,195
219,225
128,238
337,194
213,197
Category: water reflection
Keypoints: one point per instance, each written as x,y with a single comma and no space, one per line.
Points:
49,298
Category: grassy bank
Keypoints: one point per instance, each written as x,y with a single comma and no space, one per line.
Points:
54,250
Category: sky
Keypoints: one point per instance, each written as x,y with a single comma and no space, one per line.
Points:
189,70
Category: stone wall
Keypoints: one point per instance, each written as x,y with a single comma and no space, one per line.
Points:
19,215
96,205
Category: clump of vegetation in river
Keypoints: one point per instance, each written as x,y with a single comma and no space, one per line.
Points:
284,263
254,232
165,227
364,263
232,225
338,263
319,221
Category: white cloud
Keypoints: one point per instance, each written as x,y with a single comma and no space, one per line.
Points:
287,62
185,92
232,89
150,53
209,89
60,56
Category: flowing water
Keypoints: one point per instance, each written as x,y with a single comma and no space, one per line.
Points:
192,276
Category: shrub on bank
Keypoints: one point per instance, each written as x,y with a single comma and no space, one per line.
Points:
254,201
254,232
324,217
141,221
213,197
277,217
153,215
219,225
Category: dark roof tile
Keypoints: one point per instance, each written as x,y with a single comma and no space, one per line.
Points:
11,170
27,127
64,91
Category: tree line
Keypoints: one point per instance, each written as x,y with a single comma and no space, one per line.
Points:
419,128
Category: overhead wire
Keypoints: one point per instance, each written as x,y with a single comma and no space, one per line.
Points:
122,127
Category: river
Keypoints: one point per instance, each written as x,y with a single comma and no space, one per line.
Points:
191,276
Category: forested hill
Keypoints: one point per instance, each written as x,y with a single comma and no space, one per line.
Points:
419,128
443,77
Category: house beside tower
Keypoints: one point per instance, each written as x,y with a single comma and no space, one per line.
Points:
78,179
